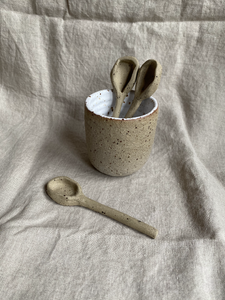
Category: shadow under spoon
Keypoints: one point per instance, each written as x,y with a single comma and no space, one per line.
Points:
66,191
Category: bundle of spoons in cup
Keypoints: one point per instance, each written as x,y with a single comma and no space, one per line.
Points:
125,73
120,124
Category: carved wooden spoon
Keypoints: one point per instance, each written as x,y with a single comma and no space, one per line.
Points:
65,191
123,76
148,79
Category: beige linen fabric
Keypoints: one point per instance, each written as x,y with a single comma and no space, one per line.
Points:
53,54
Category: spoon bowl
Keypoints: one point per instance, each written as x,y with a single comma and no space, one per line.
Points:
66,191
123,76
148,79
63,191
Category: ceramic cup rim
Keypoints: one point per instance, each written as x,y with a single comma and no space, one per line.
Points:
124,119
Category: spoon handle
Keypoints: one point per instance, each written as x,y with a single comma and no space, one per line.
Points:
118,216
133,108
119,101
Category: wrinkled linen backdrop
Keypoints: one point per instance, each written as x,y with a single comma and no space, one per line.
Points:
53,54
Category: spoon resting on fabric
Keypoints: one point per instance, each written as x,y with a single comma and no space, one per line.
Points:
148,79
66,191
123,76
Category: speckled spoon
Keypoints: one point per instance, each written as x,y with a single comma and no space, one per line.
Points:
147,83
65,191
123,76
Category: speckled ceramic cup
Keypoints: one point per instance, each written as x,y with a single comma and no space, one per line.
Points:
119,146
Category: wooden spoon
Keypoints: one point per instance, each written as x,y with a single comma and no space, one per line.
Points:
148,79
123,76
65,191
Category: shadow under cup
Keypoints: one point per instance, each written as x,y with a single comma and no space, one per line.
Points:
119,146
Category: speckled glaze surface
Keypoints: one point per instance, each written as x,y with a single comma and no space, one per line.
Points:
119,146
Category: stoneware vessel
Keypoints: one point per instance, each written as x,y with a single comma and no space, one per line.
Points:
119,146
